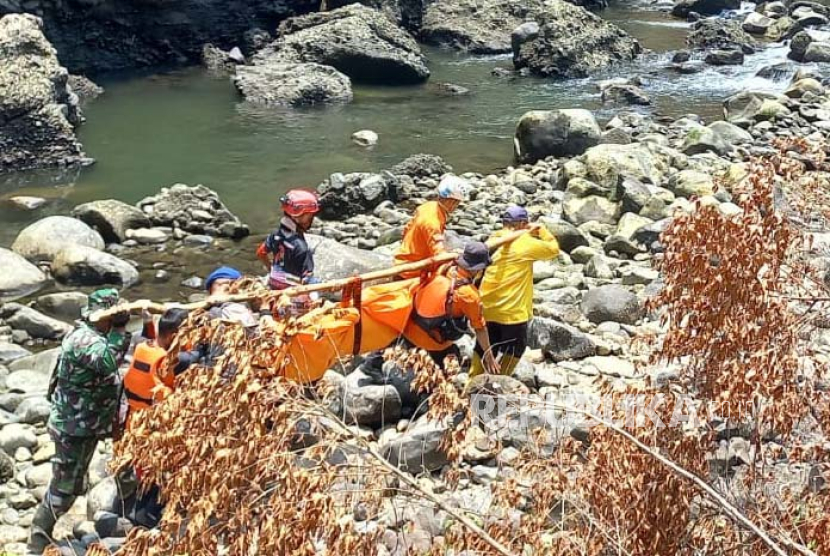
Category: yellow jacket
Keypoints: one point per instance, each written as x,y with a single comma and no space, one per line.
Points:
507,287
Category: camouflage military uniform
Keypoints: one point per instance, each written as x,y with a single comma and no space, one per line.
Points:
84,402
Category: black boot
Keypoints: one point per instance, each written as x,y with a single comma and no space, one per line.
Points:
42,525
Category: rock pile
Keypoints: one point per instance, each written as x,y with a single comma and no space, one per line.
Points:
38,111
197,210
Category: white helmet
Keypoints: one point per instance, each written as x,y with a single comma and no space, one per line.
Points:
453,187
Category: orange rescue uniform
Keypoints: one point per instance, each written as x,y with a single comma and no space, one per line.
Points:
423,237
431,299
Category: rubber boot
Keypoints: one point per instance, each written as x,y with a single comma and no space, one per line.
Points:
42,525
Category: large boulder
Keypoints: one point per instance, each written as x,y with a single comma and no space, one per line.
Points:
543,133
34,323
421,166
558,340
702,139
691,183
479,26
10,352
723,34
38,112
271,82
19,277
44,239
63,305
573,42
111,218
568,236
757,23
611,303
608,165
335,260
360,42
84,266
704,7
196,209
746,108
417,450
345,195
368,404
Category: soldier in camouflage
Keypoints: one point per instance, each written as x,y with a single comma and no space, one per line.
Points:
84,396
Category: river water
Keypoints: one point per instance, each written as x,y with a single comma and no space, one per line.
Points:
187,126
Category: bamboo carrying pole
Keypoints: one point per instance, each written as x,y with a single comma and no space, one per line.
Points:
331,285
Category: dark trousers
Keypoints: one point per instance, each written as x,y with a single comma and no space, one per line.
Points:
506,339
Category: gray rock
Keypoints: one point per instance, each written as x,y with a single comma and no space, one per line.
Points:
649,234
38,110
625,94
10,534
730,57
558,340
194,282
33,411
634,275
621,245
272,82
543,133
42,362
85,266
630,223
104,497
799,44
333,259
38,475
818,51
418,449
704,7
421,166
342,196
64,305
483,27
358,41
149,236
579,210
598,267
746,108
177,207
756,23
7,467
110,525
111,218
567,235
84,88
14,436
370,404
730,133
702,139
44,239
36,324
611,303
691,183
608,165
573,42
19,277
719,33
26,202
10,352
27,382
525,32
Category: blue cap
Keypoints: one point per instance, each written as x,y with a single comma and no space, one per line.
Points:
515,213
222,273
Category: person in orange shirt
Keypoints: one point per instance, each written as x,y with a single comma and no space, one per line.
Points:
423,237
445,305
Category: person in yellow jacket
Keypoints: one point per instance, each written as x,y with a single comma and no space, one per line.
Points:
507,289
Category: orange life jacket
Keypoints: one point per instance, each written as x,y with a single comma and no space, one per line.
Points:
434,312
141,381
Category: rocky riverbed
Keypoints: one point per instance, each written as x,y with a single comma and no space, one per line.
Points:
605,187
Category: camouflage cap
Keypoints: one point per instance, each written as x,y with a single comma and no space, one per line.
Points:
100,300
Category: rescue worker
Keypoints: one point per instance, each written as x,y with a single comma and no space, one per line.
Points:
143,384
285,252
445,305
507,289
423,237
219,281
84,397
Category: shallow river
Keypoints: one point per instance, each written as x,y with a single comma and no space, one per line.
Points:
187,126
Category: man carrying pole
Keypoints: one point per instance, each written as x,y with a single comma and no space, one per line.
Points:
507,289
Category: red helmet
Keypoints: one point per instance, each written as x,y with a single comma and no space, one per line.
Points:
300,201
